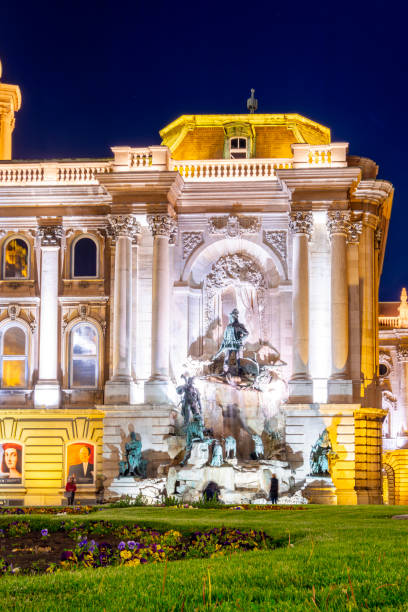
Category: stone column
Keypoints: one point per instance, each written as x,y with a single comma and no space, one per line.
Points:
47,391
120,389
339,384
402,356
163,228
300,384
353,238
368,324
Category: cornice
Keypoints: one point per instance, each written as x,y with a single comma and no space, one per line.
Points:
372,192
317,179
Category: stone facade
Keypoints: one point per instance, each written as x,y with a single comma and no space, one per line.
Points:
174,239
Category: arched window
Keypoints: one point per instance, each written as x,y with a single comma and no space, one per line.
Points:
15,259
14,357
85,258
84,356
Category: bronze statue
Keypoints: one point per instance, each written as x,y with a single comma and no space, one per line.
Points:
233,342
320,455
191,402
134,465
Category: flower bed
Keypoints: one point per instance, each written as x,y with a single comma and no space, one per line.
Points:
59,510
81,545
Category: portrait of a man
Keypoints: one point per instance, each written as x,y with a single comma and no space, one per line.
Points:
11,467
80,462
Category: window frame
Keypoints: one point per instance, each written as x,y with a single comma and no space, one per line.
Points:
3,269
3,330
238,150
73,245
95,357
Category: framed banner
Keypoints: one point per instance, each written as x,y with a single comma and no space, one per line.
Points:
81,463
11,463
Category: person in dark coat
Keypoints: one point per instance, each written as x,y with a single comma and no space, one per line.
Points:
274,492
70,489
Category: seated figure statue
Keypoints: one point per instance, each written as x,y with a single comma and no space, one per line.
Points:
320,455
136,464
233,342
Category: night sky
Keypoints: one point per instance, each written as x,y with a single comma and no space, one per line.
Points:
98,74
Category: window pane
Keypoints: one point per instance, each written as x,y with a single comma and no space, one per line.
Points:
14,373
16,259
242,143
85,254
84,372
238,155
84,340
234,143
14,341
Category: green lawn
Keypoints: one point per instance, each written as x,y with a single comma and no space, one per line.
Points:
331,558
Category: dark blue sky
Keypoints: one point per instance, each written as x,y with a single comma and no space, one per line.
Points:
98,74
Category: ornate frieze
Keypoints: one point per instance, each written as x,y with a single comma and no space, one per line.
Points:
338,222
190,241
234,226
124,225
163,225
354,232
301,223
277,241
402,352
50,235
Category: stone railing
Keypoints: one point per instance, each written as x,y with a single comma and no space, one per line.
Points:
392,322
229,169
157,158
53,173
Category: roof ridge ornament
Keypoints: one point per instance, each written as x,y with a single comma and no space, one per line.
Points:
252,103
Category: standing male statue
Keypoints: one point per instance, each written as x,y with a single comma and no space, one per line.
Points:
233,342
191,401
136,465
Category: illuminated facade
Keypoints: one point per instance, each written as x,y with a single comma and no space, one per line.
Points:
118,277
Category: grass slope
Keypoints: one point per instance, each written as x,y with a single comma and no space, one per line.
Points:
331,558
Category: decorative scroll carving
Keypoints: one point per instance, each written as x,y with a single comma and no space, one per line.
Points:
83,311
50,235
234,225
277,241
385,358
378,237
354,232
338,222
190,241
229,268
402,352
124,225
301,223
13,311
163,225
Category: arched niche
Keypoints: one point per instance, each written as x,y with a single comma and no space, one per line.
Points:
200,262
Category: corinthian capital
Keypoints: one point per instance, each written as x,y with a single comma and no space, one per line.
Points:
338,222
402,353
50,235
162,225
354,231
301,223
123,225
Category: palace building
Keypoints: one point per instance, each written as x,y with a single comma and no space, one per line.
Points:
118,277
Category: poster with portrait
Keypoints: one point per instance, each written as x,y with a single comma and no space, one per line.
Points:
11,463
81,463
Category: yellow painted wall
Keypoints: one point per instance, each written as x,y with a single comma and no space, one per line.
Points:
44,435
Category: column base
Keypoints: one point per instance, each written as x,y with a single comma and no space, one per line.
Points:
47,394
120,392
340,391
300,391
158,392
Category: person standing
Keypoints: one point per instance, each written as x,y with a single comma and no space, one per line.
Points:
70,489
274,492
